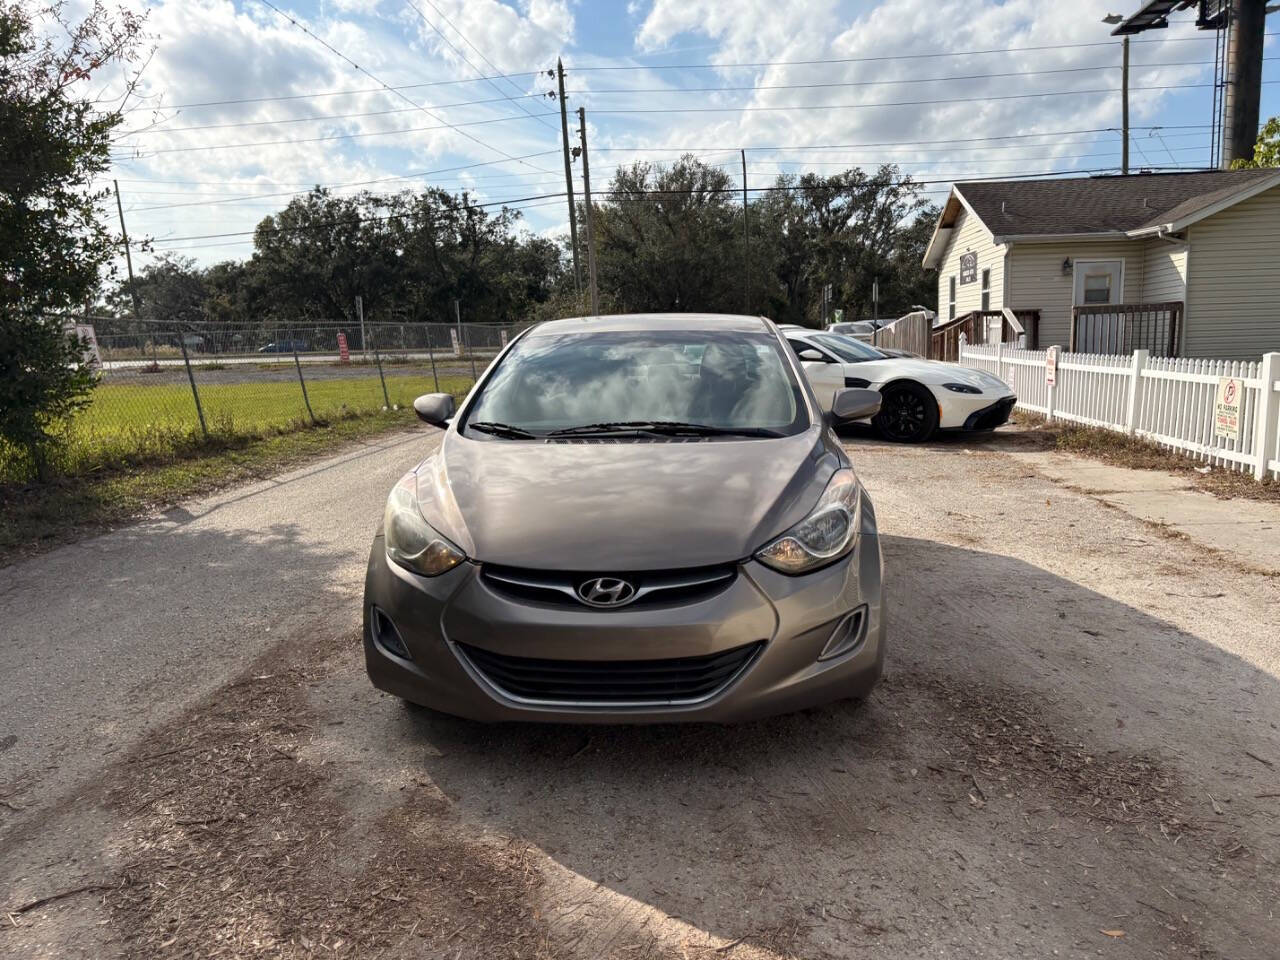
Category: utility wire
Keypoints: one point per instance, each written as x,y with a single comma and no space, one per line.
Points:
390,89
878,59
465,60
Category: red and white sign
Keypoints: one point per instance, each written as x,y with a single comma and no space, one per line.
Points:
1051,366
502,334
457,347
343,353
1226,410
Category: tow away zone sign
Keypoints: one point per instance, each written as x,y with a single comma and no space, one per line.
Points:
1226,411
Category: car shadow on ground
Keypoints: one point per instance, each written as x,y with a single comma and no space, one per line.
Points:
1012,783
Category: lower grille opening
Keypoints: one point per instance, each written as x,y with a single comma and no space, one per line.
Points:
993,416
386,635
612,682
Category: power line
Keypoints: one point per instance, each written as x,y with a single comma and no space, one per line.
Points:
902,80
328,46
465,60
323,116
898,103
877,59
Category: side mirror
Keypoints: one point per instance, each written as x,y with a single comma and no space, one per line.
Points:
811,355
854,404
437,409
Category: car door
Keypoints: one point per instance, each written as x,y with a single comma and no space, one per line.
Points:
826,375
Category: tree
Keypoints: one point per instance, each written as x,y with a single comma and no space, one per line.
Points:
1266,152
54,139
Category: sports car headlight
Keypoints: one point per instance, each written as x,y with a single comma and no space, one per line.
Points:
829,531
962,388
411,541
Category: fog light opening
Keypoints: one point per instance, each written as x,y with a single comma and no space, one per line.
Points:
386,636
846,636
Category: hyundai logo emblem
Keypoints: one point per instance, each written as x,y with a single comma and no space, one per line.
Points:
606,592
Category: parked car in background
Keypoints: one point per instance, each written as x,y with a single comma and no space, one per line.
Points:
284,346
920,396
862,329
630,519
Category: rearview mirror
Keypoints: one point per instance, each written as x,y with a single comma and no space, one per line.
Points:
436,409
811,355
855,404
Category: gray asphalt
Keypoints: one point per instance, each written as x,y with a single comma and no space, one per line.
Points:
105,638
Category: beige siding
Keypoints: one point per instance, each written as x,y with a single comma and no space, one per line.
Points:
1233,281
1037,282
1164,272
970,235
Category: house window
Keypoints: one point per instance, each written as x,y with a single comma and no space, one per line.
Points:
986,289
1097,287
951,298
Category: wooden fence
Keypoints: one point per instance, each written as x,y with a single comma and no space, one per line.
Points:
1169,400
1124,327
976,327
909,332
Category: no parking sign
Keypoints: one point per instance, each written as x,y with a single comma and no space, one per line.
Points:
1226,411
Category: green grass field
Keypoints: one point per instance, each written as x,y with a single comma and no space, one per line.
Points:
128,425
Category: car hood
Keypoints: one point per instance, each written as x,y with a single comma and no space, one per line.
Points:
936,372
616,507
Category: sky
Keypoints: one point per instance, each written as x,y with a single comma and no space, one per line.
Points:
242,105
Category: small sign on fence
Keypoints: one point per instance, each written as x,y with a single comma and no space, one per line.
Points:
1051,367
89,340
343,353
502,335
1226,410
457,347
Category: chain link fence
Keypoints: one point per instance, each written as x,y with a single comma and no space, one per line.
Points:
166,389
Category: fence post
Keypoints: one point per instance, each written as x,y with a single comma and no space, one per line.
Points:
186,362
377,358
431,355
1266,416
961,341
305,399
1135,390
1000,355
1051,389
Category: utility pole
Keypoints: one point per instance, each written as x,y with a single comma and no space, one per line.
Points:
586,199
1245,27
128,257
746,242
1124,109
568,178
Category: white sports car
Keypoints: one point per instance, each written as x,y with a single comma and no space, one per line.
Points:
920,396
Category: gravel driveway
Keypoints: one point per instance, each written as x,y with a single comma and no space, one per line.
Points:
1075,753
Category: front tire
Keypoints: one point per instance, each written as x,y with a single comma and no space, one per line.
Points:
908,414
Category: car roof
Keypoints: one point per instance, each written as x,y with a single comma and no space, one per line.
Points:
633,322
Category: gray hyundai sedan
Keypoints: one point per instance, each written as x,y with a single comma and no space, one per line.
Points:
631,519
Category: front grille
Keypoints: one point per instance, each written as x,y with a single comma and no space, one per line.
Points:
652,587
682,680
988,418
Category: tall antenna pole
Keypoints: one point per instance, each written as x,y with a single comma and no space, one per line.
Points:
568,178
1124,110
128,257
586,198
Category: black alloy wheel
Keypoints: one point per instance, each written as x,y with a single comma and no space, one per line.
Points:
908,414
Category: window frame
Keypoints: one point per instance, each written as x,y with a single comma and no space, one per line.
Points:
951,297
986,288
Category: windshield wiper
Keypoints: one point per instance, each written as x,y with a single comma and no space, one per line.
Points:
504,430
663,428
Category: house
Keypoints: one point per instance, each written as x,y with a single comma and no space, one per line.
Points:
1183,264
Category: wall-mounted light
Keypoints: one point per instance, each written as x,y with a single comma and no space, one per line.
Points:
1066,267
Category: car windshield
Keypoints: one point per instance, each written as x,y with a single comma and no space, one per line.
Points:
847,348
729,382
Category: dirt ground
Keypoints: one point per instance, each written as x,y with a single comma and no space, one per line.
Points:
1074,753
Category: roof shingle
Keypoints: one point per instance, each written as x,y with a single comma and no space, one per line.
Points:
1099,204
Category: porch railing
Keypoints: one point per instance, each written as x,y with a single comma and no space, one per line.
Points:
977,327
1125,327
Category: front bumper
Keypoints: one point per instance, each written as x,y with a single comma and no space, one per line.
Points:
791,617
972,412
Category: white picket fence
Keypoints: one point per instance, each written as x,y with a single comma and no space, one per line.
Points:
1169,400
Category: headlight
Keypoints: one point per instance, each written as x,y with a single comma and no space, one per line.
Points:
411,541
961,388
829,531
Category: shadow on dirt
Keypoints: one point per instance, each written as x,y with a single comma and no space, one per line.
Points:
989,792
